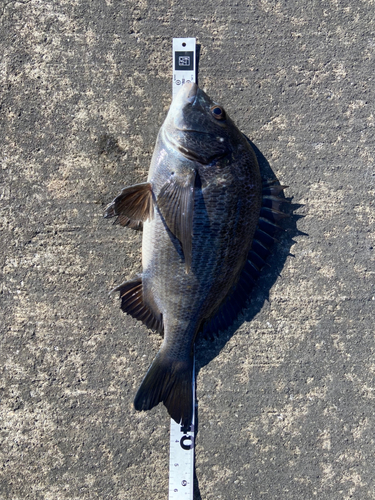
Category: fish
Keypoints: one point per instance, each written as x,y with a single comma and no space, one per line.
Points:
208,224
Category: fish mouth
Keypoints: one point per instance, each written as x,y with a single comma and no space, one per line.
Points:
193,93
189,92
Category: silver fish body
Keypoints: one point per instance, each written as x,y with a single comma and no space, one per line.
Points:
200,209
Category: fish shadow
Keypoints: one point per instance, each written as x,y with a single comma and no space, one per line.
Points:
207,350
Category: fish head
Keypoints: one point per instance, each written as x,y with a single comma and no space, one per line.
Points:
199,128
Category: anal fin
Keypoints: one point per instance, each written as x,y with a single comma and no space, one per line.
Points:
132,302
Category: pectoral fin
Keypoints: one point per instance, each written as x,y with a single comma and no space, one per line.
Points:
132,206
176,204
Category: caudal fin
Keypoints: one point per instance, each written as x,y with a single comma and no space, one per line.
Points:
169,381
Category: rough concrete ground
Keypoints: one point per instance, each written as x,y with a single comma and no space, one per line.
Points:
286,401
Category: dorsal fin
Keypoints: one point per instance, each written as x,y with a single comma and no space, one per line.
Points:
233,304
176,204
132,206
131,294
261,246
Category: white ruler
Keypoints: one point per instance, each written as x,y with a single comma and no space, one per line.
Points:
184,63
181,458
181,454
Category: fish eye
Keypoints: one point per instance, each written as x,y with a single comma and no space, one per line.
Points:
218,112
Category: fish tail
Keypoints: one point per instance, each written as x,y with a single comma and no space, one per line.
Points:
169,381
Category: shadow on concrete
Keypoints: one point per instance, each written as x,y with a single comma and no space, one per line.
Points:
198,56
207,350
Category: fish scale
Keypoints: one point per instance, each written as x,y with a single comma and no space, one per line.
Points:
206,233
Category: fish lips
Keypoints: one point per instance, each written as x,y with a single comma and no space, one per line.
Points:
187,94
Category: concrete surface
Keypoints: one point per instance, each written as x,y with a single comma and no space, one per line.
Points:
286,400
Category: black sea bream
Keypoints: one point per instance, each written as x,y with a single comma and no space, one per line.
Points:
206,233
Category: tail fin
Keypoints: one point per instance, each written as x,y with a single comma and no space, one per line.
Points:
170,381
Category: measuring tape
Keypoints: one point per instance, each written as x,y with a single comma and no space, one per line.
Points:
181,452
184,63
181,457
